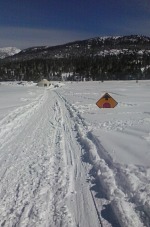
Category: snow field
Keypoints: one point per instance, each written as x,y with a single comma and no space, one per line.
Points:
128,193
64,162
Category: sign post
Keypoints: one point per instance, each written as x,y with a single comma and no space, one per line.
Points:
106,101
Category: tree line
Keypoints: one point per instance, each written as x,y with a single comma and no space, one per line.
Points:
109,67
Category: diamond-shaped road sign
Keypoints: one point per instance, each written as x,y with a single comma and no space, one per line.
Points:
106,101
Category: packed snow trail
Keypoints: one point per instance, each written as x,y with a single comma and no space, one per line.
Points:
55,172
43,181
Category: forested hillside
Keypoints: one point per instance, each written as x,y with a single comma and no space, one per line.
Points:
102,58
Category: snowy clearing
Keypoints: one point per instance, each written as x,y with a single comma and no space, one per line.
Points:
65,162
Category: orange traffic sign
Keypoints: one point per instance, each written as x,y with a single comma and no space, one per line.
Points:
106,101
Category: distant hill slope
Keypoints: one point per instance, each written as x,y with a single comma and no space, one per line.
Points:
100,46
100,58
8,51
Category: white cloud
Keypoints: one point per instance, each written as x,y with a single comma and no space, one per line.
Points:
28,37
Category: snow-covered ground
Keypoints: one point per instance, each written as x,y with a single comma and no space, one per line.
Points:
64,162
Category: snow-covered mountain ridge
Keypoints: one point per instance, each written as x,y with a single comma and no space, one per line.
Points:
95,46
100,58
8,51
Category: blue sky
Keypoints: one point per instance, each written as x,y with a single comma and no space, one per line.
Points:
26,23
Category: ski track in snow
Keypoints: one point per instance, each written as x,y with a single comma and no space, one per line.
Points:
117,182
51,165
39,169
